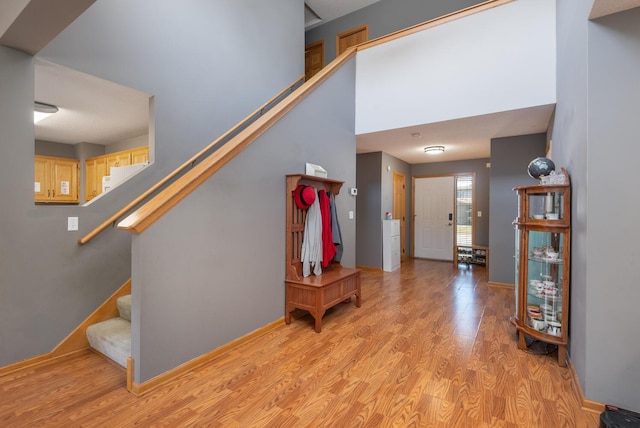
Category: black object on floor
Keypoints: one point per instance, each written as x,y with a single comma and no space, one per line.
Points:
615,417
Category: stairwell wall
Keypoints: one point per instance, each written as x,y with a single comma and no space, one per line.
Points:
212,269
207,64
595,136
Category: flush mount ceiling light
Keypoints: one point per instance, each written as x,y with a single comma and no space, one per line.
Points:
434,150
42,110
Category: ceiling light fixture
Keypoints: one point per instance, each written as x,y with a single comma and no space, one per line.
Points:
42,110
434,150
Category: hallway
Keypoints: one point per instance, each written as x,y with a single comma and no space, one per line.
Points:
430,346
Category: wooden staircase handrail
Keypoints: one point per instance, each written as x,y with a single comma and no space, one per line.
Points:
476,8
111,220
146,215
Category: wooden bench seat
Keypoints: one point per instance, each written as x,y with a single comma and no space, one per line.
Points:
316,294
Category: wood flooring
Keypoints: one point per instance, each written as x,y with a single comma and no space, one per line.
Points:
431,346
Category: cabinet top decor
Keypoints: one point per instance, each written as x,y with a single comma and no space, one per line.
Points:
548,183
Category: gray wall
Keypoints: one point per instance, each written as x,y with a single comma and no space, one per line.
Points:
510,157
129,143
396,165
477,166
375,198
613,353
383,17
59,150
49,284
233,228
569,148
368,209
611,364
595,134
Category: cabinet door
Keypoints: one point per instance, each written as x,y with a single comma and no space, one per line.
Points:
118,159
95,169
139,155
64,180
41,179
89,180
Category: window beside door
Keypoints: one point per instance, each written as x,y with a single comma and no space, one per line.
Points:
464,210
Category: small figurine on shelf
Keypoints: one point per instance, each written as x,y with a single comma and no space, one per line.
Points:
553,178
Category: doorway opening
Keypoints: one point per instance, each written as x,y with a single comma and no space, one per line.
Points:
102,129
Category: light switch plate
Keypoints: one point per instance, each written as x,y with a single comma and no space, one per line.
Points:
72,223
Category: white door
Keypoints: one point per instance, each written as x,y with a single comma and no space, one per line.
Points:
433,226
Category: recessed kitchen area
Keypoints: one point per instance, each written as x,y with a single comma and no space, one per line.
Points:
94,134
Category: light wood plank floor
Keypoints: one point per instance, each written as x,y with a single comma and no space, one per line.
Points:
431,346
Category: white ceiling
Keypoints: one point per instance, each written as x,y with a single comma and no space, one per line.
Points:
91,109
327,10
466,138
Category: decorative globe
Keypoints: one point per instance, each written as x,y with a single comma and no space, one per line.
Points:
540,167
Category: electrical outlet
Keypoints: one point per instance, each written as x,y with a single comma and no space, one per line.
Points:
479,213
350,215
72,223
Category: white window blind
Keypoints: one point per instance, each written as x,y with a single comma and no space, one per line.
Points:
464,210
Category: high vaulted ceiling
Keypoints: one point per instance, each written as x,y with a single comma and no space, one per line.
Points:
469,135
318,12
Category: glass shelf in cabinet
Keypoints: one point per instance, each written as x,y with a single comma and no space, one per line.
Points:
543,259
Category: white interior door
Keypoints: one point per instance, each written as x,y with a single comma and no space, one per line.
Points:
433,224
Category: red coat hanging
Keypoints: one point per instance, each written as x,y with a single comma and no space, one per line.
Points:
328,247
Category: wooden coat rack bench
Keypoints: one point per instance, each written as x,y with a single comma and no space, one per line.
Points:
314,294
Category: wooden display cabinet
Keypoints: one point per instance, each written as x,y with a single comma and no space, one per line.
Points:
543,236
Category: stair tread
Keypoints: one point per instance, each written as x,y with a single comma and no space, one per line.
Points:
124,306
112,338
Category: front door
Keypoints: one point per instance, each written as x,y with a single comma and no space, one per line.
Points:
433,218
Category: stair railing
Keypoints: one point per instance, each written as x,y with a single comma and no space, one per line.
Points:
193,160
162,202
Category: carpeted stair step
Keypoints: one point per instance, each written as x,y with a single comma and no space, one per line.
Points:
112,338
124,306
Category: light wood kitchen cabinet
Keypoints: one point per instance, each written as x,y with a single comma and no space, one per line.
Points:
100,166
95,169
55,180
118,159
140,155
